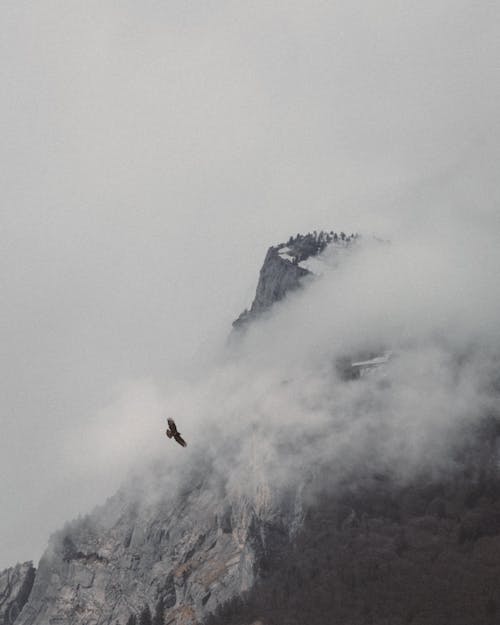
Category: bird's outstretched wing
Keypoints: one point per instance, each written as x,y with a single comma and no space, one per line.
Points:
180,440
172,426
174,433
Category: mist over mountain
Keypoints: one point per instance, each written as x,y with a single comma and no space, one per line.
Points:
342,460
341,406
153,152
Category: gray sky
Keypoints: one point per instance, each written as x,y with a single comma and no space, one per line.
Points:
151,151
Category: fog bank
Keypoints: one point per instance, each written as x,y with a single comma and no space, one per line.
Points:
152,152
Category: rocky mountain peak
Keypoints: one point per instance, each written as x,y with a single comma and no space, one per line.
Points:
285,266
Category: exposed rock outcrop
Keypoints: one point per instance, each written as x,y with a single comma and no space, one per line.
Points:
179,559
277,276
283,270
15,588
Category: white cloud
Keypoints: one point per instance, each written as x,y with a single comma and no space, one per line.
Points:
152,152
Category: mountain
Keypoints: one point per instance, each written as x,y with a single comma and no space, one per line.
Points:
284,267
354,541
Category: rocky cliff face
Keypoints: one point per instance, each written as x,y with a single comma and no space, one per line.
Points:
15,587
172,561
375,550
277,276
285,267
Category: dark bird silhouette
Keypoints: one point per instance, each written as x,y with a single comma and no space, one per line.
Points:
173,433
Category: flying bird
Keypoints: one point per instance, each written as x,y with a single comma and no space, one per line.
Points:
173,433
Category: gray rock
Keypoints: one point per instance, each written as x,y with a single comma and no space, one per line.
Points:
15,587
277,276
281,271
187,557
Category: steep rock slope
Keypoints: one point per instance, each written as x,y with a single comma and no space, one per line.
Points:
277,276
177,559
15,586
284,267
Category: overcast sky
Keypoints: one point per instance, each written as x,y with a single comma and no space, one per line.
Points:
152,151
